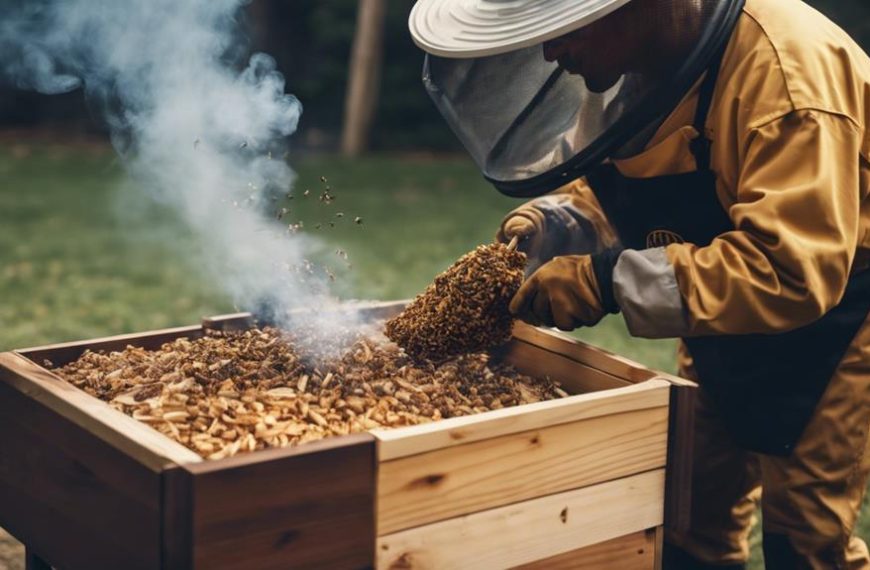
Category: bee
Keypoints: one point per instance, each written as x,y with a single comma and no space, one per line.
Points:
307,192
281,213
195,144
317,226
323,179
339,215
358,221
243,145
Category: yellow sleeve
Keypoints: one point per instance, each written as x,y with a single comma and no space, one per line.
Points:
584,200
796,223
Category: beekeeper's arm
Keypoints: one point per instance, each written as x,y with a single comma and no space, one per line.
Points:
785,264
566,221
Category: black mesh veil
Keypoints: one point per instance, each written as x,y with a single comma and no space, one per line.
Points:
531,126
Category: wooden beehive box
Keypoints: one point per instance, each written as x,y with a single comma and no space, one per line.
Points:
573,483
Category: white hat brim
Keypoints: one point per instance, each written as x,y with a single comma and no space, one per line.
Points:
478,28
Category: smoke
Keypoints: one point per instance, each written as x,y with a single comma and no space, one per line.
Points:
193,130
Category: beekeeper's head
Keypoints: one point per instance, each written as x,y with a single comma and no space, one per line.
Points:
541,90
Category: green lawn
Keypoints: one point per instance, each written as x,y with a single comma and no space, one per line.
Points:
84,254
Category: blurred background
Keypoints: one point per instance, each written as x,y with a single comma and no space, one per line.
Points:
83,254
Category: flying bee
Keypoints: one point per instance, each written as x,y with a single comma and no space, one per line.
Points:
358,221
307,192
339,215
195,144
281,213
243,145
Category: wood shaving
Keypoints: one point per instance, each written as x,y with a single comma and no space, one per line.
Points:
240,391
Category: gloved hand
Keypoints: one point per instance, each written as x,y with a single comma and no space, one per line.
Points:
547,227
568,292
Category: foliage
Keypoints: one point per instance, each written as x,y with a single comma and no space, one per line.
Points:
311,41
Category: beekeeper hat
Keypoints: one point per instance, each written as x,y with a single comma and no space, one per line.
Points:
478,28
532,125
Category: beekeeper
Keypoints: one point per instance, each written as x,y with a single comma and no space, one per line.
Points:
702,167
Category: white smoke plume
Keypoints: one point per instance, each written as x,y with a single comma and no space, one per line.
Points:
193,129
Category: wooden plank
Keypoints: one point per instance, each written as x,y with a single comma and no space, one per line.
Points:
530,530
176,520
659,538
635,551
229,322
446,483
78,501
575,377
681,443
402,442
305,507
64,353
133,437
579,351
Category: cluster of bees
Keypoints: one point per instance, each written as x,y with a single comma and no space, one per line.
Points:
465,309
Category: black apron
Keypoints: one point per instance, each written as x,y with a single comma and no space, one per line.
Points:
765,387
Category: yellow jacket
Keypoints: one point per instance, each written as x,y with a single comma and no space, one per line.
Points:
791,151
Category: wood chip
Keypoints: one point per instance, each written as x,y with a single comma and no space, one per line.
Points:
238,391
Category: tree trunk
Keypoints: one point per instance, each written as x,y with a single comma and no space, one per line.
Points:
365,76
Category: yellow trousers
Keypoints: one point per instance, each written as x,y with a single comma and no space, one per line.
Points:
809,501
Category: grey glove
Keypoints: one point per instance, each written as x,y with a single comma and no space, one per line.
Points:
548,226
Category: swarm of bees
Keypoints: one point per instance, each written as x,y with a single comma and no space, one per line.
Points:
465,309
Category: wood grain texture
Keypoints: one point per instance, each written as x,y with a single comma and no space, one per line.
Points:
412,440
635,551
575,377
78,501
659,538
531,530
681,437
593,356
64,353
176,529
441,484
136,439
305,507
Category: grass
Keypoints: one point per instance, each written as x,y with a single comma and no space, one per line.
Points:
82,254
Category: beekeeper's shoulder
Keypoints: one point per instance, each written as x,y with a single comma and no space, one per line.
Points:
817,65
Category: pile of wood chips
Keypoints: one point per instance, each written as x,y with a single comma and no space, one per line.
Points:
232,392
465,309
